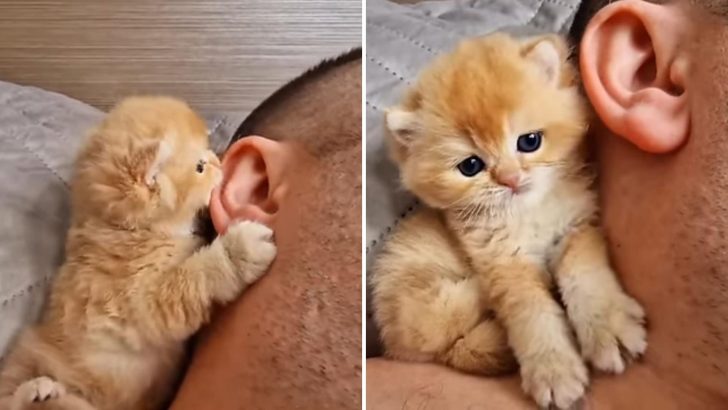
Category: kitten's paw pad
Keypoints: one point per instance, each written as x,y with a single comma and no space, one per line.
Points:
39,389
250,247
556,380
618,337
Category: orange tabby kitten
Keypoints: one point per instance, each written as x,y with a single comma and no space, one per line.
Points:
489,140
137,281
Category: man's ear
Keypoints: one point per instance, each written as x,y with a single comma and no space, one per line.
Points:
548,53
634,73
402,124
253,182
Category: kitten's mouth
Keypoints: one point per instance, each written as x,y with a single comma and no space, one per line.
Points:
518,190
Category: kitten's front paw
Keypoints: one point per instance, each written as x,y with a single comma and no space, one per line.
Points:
556,378
250,247
37,390
614,328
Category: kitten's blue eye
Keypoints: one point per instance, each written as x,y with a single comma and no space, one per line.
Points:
530,142
471,166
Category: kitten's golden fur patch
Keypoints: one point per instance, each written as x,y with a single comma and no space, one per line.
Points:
136,282
467,281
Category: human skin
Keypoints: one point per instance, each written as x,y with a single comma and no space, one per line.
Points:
657,77
294,340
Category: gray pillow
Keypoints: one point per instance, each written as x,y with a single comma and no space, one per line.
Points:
40,133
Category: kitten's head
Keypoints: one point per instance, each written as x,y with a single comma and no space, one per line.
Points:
148,164
495,122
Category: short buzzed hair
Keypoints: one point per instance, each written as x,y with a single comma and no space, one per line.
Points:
587,10
292,86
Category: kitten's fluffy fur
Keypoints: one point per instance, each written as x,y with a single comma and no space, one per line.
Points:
136,282
467,280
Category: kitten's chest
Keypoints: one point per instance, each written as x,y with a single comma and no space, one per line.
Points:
526,238
530,235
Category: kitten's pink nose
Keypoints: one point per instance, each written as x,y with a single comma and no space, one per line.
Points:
509,178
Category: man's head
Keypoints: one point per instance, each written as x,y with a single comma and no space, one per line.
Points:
657,78
259,171
300,325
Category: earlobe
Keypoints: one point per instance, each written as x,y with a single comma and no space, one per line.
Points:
633,73
253,183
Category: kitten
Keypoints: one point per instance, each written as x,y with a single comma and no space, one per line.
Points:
489,139
136,282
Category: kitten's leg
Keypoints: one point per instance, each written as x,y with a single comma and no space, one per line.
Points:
428,304
37,390
482,349
249,247
442,322
551,370
177,303
68,401
603,316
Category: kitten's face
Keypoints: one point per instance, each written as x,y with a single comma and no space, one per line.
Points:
147,165
494,123
185,180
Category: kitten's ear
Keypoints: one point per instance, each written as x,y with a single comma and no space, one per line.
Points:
548,53
402,124
161,152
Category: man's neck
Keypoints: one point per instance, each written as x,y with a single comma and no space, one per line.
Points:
667,246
